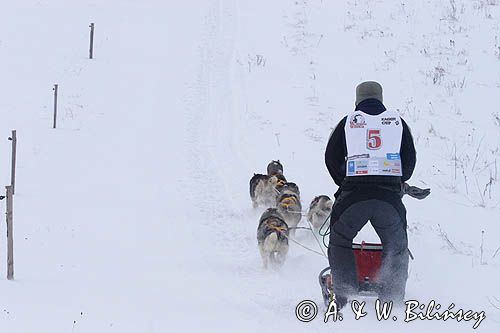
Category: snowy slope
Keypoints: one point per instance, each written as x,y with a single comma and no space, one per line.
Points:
134,215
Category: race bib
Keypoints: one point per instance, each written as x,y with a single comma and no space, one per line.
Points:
373,144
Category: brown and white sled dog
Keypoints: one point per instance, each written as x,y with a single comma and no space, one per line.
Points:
290,207
272,237
319,210
264,189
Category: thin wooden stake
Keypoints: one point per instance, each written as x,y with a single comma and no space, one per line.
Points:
455,146
55,105
10,235
91,49
13,138
481,248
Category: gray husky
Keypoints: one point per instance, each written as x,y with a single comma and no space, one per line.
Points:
272,237
289,206
264,189
290,188
274,168
319,210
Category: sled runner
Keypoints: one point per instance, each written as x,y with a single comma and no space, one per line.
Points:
368,258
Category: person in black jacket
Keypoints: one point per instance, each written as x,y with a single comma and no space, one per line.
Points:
373,195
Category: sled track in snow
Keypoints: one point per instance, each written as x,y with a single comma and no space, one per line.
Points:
213,133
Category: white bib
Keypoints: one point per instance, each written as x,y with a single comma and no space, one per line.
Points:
373,144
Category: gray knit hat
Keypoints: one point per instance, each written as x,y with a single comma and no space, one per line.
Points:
368,89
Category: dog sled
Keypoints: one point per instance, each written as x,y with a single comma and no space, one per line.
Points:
368,259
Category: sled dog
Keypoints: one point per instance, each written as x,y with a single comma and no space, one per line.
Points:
274,168
290,188
319,209
290,208
272,237
264,189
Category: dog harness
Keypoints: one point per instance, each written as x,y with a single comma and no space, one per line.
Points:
288,200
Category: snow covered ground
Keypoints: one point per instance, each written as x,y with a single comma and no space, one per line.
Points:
134,216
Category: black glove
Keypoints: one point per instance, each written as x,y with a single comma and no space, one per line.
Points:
415,192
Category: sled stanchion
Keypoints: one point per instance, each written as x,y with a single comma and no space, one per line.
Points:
91,47
55,105
13,138
10,236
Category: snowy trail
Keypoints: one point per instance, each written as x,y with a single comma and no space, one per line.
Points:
219,163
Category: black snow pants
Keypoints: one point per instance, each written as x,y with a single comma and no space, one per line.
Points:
389,226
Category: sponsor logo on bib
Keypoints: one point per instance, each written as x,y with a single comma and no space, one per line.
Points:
389,120
357,121
393,156
350,166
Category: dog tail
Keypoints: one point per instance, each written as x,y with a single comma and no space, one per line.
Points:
271,242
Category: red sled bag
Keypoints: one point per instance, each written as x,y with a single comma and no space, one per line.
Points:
368,258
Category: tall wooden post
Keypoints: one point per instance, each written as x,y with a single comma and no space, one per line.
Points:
91,48
55,106
13,138
10,235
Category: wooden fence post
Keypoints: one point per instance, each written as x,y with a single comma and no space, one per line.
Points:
13,138
55,106
10,235
91,49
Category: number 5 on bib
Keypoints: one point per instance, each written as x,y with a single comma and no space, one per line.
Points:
373,139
